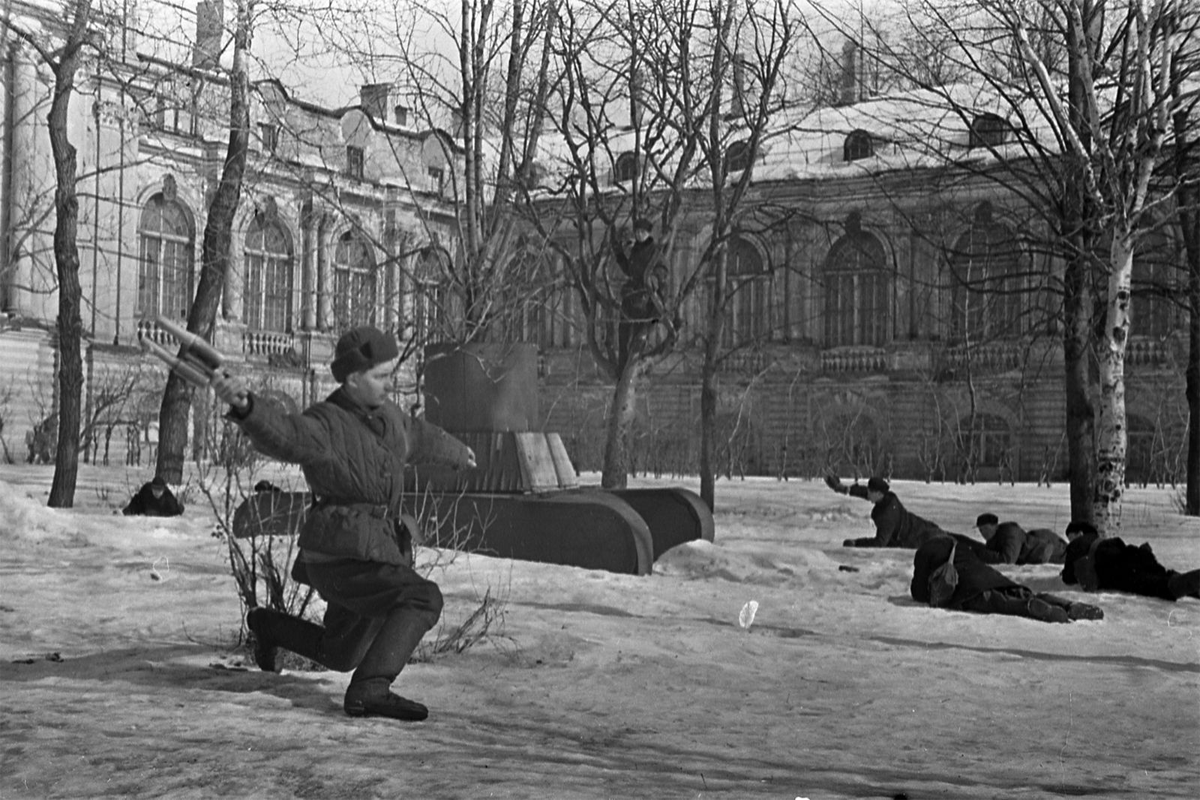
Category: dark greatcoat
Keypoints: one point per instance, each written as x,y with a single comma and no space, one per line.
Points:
145,504
353,459
1018,546
641,296
1120,567
974,576
895,526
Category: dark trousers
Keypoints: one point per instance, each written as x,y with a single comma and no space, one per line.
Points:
376,615
1017,601
1126,568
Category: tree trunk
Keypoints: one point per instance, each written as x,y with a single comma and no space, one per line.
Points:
615,474
1192,498
709,394
218,232
1078,225
708,434
66,259
1189,222
1192,252
1081,415
1113,439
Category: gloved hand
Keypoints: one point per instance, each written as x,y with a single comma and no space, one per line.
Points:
848,543
835,483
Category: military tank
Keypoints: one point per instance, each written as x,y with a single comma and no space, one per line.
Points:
524,500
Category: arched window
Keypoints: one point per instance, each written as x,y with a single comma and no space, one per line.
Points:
985,440
989,290
165,277
989,130
857,291
268,298
626,168
737,157
529,298
429,297
353,282
858,145
749,318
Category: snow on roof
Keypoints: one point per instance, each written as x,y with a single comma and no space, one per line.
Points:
906,130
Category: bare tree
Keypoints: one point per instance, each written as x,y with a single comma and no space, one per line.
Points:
63,53
644,118
1082,94
177,397
1116,136
733,150
1187,182
473,71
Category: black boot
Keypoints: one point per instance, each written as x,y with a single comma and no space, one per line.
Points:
264,649
1185,584
274,629
1037,608
1083,611
374,698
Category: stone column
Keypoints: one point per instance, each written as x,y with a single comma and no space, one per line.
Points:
235,275
23,205
308,275
391,291
324,274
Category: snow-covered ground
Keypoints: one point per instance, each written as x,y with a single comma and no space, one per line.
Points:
120,673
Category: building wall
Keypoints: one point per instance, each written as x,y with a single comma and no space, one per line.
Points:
161,129
796,403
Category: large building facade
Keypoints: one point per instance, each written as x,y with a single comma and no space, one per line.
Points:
890,315
336,205
893,311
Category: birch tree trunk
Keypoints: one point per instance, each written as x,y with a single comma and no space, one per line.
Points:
1112,438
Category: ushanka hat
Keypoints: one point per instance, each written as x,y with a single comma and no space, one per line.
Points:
360,349
878,485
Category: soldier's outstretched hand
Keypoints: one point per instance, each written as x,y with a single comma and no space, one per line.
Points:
835,483
231,389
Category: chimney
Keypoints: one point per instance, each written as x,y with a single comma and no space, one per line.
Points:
737,105
849,89
374,99
210,25
637,105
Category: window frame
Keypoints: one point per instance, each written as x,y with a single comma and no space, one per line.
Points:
848,320
155,292
266,269
355,284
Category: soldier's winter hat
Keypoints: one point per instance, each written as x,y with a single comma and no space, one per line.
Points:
878,485
360,349
642,224
986,519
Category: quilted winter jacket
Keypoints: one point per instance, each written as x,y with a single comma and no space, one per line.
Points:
354,459
974,576
895,525
1018,546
